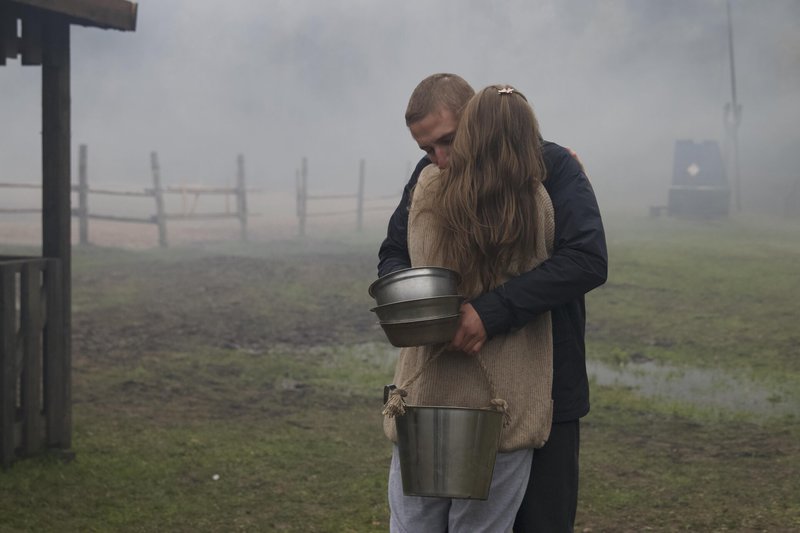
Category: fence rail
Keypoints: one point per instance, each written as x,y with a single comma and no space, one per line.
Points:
108,192
117,218
19,186
20,210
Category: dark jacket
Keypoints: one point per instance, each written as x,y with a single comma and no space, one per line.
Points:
578,265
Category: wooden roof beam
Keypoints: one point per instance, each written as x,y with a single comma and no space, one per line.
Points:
108,14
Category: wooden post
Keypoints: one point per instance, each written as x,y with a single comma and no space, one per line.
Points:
56,191
83,196
792,199
241,197
158,192
302,200
31,382
53,372
360,199
8,356
733,117
297,202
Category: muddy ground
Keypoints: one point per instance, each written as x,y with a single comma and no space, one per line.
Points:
221,301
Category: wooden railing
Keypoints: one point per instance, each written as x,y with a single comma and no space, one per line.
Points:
34,370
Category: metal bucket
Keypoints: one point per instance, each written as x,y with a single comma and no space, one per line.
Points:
448,452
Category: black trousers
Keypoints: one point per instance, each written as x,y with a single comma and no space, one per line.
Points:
552,497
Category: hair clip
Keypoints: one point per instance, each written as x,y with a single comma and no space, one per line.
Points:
507,90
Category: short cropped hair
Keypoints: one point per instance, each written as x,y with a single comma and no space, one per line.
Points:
438,91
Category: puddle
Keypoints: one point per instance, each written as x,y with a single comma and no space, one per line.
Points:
699,387
706,389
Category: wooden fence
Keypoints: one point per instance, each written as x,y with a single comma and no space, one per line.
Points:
157,193
34,366
303,197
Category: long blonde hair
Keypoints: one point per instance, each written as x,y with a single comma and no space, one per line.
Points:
485,204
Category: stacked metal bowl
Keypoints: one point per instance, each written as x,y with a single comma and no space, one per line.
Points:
417,306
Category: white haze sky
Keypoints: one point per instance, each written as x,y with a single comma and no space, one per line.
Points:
619,81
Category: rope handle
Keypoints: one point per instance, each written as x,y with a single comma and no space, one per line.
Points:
395,405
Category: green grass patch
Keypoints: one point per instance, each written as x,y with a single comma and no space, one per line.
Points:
702,294
649,466
237,387
215,441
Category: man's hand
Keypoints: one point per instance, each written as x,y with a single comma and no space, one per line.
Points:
471,334
574,154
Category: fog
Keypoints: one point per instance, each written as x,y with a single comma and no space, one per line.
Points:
618,81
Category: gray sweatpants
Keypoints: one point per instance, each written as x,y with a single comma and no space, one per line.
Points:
415,514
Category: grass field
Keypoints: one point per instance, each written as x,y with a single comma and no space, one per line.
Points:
235,387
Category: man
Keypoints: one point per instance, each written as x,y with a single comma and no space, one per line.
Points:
578,264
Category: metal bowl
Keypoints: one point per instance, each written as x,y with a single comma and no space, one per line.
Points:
403,333
419,309
414,283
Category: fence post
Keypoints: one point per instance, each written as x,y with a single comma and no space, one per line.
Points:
302,182
241,196
31,383
8,364
792,199
158,192
83,196
298,202
360,200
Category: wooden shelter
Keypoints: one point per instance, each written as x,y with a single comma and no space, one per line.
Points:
35,292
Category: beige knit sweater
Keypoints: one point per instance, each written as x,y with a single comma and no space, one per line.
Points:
519,364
